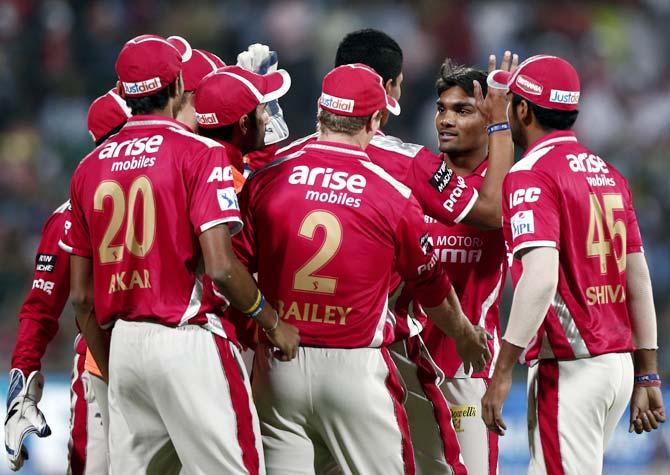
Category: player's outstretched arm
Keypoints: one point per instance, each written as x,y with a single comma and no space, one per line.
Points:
532,297
97,339
487,210
646,404
235,282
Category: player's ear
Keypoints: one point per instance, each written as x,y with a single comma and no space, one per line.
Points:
388,86
244,124
180,85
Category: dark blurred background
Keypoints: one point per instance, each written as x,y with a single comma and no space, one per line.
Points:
56,56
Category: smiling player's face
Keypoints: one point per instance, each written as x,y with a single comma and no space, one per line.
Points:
461,129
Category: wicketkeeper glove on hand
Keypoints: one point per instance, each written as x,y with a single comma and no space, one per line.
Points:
23,416
259,59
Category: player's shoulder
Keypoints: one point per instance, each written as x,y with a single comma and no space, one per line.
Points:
397,189
274,166
191,139
391,144
296,145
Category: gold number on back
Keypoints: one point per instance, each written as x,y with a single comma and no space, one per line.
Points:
597,244
106,251
304,279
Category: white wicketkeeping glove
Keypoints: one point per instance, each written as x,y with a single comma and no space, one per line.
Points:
259,59
23,416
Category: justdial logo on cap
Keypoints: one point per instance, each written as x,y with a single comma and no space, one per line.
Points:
206,119
337,103
142,86
564,97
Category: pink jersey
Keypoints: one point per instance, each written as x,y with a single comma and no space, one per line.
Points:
476,262
325,245
39,314
562,195
139,203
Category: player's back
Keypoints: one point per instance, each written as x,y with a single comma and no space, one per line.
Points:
327,219
563,195
141,194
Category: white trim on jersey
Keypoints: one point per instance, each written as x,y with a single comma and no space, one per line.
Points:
62,208
144,123
555,140
527,244
65,247
233,229
394,144
194,302
486,306
209,142
527,162
468,207
332,148
496,353
572,333
383,174
295,143
378,337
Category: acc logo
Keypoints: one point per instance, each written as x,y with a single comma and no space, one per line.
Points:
221,174
45,285
142,86
524,195
564,97
45,263
337,103
522,222
441,177
227,199
528,85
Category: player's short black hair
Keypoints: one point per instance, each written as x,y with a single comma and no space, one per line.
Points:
153,102
225,133
109,134
549,119
373,48
456,75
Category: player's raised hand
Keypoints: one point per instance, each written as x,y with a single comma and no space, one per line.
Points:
494,106
286,338
493,400
473,348
646,409
23,415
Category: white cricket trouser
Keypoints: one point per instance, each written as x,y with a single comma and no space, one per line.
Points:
436,447
87,447
479,446
179,397
573,409
332,409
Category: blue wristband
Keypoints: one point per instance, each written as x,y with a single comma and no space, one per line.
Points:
647,378
257,311
497,127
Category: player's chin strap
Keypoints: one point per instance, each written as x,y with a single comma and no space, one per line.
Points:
23,415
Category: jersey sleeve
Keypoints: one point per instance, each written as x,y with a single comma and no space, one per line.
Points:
38,316
441,193
211,191
633,235
415,260
531,211
244,243
77,239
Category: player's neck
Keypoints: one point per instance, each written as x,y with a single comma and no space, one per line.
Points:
466,163
360,140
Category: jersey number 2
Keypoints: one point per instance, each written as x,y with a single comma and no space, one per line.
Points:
304,279
597,244
114,253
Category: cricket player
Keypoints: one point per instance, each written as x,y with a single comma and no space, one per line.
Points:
38,324
476,263
583,298
325,245
152,208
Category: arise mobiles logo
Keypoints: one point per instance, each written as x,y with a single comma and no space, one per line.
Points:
131,147
142,87
337,103
564,97
327,178
528,85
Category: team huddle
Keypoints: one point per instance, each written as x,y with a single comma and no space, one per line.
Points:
363,273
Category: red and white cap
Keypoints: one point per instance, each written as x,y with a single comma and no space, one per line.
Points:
225,95
355,90
196,63
147,64
106,113
547,81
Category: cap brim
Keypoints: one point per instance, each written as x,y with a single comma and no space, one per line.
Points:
392,105
499,79
277,84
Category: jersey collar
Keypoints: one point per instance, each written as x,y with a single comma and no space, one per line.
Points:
554,138
337,148
150,120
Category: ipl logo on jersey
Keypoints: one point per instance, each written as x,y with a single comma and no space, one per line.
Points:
522,222
227,199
